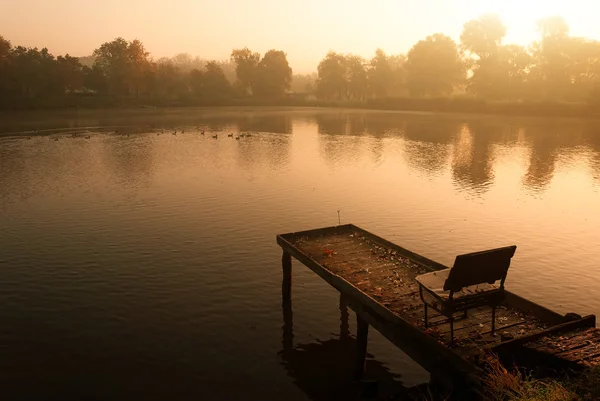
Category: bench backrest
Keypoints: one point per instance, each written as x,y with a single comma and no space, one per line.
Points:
479,267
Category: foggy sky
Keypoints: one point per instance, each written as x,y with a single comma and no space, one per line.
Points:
304,29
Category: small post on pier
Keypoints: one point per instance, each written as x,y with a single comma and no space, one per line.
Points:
362,333
286,284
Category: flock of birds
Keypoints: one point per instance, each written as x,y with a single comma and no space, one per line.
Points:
162,131
215,136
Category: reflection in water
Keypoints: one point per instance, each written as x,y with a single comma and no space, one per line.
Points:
542,158
323,370
335,123
427,144
334,146
274,150
131,159
166,284
278,123
591,138
358,124
431,143
549,143
12,170
384,125
473,158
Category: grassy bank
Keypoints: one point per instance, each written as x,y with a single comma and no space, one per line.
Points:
512,385
445,105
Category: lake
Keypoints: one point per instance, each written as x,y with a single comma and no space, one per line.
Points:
137,264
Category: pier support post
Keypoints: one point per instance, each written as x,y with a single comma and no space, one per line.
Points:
362,333
344,326
288,327
286,284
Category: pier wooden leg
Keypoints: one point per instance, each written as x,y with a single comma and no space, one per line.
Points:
344,326
288,327
286,284
362,333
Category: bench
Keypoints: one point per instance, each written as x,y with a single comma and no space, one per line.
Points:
471,283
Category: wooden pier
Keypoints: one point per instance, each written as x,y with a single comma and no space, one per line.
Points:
377,280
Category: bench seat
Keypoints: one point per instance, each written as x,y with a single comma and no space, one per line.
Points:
476,279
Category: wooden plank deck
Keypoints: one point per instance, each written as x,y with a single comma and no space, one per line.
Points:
378,277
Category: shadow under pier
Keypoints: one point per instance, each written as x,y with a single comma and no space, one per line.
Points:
326,370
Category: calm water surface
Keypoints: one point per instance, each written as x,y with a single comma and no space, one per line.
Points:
144,266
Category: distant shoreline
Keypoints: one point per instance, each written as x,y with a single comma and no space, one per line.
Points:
434,105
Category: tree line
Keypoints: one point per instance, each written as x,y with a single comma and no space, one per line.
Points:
556,67
123,70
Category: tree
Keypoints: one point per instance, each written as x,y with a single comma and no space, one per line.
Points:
483,36
387,75
196,82
138,66
551,58
380,74
481,39
331,81
356,78
170,83
5,61
211,83
186,63
554,27
515,62
304,83
584,64
70,73
214,83
113,61
124,64
246,63
273,75
33,72
94,79
434,67
5,48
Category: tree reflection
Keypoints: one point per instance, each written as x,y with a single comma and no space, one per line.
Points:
427,146
335,143
332,123
472,167
591,137
280,124
547,143
542,157
384,124
357,123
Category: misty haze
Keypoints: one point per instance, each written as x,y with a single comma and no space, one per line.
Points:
157,160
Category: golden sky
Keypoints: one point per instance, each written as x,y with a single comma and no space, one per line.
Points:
304,29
